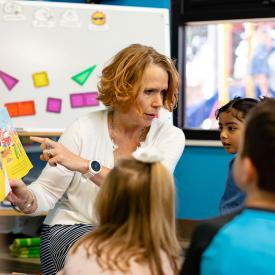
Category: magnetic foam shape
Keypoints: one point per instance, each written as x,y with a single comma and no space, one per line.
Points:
23,108
40,79
54,105
12,109
26,108
76,100
82,77
84,99
90,99
8,80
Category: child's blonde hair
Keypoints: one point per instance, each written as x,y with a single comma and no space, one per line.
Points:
136,211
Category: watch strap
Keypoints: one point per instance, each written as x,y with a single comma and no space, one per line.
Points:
91,172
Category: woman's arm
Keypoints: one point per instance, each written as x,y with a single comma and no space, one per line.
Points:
22,197
56,153
99,178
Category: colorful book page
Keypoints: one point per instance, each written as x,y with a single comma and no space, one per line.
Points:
4,182
14,158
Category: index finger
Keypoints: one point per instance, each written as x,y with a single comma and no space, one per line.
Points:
48,142
38,139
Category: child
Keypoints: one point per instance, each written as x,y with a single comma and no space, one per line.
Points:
136,232
246,245
231,120
243,243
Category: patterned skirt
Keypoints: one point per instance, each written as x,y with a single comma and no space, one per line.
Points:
55,243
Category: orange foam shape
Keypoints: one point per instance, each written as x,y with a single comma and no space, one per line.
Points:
24,108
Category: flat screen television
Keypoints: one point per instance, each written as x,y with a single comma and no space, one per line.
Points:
220,60
223,49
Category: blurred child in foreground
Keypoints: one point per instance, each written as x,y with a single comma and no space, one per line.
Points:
136,232
243,243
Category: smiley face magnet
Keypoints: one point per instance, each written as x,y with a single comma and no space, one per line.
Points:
98,21
98,18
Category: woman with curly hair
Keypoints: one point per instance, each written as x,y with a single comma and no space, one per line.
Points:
134,87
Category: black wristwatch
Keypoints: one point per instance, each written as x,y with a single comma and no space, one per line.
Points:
94,168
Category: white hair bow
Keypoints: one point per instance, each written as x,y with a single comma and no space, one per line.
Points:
148,154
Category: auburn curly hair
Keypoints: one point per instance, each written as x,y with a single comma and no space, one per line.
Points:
121,80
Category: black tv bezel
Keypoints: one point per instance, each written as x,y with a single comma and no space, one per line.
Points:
184,11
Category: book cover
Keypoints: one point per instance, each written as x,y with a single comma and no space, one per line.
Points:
25,242
14,162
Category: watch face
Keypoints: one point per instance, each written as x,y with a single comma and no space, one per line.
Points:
95,165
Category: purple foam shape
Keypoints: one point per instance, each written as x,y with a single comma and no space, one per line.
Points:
90,99
8,80
76,100
54,105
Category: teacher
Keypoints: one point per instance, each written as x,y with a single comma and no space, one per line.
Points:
134,87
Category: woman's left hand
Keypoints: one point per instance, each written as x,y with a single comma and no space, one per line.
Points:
56,153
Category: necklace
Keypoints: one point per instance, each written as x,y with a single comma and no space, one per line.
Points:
141,137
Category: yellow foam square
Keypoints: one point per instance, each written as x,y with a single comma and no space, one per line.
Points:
40,79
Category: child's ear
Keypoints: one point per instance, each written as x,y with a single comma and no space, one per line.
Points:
249,172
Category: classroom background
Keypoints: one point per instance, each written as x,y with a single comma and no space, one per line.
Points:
201,172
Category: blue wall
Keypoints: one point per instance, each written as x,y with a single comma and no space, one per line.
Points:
200,177
137,3
140,3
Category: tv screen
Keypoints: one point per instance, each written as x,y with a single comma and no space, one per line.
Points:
216,2
222,60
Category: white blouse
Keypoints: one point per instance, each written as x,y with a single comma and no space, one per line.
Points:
68,196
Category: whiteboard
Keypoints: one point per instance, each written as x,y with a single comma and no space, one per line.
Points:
52,54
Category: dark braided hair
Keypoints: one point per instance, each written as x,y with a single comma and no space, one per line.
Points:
240,105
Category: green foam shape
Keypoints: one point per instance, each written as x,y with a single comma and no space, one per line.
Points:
82,77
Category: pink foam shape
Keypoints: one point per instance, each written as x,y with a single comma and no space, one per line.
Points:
90,99
8,80
76,100
54,105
